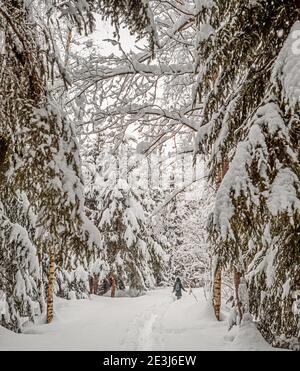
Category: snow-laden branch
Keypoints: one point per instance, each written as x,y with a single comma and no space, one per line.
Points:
178,117
157,111
136,67
180,8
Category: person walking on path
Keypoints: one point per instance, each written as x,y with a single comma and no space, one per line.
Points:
178,287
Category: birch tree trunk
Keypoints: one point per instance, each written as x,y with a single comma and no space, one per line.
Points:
217,290
217,283
50,294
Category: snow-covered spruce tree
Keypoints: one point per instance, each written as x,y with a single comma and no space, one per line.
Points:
249,91
103,168
133,254
157,241
40,144
274,138
20,278
96,161
72,284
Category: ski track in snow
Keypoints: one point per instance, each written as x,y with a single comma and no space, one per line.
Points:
145,340
145,333
154,322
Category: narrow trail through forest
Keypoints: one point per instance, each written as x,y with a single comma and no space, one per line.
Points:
151,322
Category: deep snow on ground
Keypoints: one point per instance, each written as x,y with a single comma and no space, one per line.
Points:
152,322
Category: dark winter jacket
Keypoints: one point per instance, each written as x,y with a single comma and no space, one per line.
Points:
178,287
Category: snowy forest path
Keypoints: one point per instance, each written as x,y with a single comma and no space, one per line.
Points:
153,322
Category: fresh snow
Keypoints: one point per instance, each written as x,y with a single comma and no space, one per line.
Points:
155,322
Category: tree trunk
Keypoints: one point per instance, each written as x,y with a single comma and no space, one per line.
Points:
50,294
217,285
91,282
237,281
217,293
95,284
113,287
